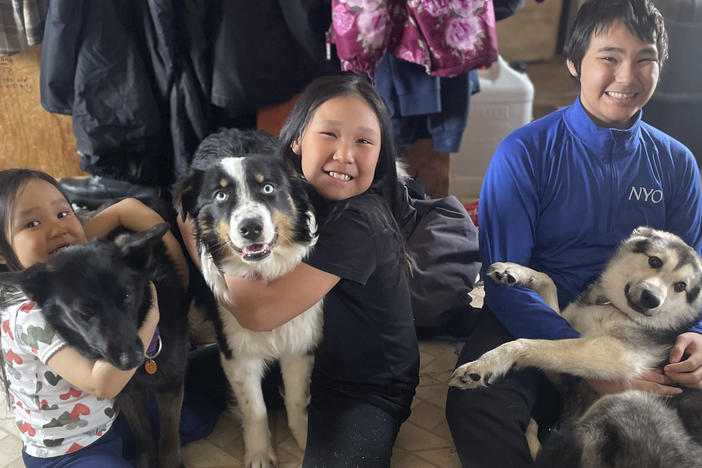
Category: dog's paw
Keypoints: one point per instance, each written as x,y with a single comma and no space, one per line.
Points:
263,459
467,376
511,274
483,371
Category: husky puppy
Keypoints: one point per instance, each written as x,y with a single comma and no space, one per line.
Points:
253,218
648,294
96,296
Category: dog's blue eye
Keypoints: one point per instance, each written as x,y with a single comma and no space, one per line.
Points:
221,195
268,189
680,286
655,262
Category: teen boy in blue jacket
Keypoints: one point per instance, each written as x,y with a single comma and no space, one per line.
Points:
559,196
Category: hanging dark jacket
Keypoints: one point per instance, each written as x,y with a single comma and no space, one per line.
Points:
265,51
139,108
142,79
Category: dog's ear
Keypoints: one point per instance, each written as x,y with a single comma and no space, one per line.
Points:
641,239
33,281
186,193
137,247
642,231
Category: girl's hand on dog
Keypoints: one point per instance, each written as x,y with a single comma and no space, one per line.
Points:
688,371
135,216
652,381
148,328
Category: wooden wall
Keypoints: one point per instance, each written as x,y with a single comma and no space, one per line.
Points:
29,135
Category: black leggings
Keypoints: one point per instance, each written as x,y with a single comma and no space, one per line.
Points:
347,432
342,431
488,424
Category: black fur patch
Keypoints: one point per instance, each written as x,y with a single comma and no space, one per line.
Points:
562,448
642,246
686,256
692,294
611,444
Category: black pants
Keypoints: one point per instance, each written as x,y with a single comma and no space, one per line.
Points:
348,432
488,424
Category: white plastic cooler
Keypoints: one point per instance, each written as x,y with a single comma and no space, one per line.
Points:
503,104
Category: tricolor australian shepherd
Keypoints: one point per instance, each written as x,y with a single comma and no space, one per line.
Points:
253,218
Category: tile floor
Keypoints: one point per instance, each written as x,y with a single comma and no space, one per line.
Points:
424,440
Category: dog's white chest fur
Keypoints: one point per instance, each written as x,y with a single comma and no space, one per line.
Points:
297,336
592,319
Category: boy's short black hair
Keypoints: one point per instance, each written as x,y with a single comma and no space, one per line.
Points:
596,16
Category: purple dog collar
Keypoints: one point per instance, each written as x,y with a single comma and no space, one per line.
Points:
154,348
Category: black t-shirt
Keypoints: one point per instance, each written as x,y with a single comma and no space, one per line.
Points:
369,349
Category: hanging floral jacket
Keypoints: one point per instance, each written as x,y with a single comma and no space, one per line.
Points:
447,37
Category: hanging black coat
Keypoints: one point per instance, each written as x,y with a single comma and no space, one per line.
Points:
142,79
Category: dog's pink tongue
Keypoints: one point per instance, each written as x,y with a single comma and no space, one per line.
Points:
254,249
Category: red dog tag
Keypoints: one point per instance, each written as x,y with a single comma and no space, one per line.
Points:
150,367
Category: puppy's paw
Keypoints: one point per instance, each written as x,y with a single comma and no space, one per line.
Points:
511,274
469,376
484,371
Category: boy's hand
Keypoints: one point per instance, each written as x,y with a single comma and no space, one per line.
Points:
652,381
688,372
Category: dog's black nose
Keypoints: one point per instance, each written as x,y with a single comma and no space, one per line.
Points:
649,300
130,358
251,228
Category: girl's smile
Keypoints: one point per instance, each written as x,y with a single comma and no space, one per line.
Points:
339,176
43,223
340,147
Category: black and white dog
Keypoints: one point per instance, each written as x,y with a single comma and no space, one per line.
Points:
96,296
253,218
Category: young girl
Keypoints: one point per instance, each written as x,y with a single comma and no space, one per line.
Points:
62,401
338,137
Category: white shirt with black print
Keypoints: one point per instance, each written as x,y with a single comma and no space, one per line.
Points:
53,417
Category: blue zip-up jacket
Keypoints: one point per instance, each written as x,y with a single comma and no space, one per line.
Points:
561,194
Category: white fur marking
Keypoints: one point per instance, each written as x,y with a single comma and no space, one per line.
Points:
246,206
